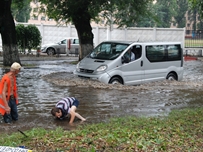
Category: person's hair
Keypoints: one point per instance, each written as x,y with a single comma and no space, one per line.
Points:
13,70
54,110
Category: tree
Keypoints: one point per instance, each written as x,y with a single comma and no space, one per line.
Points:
196,14
150,20
197,4
165,10
82,12
181,11
21,11
8,33
164,13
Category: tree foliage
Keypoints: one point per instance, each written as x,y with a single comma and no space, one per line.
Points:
122,13
165,11
182,8
21,10
197,4
151,20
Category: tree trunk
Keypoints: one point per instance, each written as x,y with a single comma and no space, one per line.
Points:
84,30
8,34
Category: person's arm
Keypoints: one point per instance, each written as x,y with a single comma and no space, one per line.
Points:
72,116
7,108
132,56
79,116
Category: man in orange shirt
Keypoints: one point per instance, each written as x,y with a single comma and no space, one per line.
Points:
8,94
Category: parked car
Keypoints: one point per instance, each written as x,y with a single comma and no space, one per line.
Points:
65,46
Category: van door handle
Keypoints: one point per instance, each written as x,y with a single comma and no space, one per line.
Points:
141,63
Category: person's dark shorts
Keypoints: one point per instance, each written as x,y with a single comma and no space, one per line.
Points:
13,113
76,103
7,118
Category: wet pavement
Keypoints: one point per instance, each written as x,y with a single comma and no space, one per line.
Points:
42,85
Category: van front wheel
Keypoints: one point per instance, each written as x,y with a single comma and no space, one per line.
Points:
116,80
171,76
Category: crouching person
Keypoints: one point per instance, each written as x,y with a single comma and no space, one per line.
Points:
67,106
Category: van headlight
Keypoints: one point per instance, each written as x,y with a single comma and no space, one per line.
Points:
101,68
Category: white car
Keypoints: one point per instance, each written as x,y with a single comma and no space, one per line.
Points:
66,46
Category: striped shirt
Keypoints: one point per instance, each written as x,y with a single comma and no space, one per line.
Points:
65,104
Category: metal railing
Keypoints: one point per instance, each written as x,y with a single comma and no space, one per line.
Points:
194,39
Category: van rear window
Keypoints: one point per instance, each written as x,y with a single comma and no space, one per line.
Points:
161,53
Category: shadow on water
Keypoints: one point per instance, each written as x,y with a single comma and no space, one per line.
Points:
41,87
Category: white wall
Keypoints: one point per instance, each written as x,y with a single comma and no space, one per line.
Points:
53,33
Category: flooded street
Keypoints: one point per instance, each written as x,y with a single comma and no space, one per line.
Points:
40,87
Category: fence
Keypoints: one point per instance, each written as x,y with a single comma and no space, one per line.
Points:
193,42
194,39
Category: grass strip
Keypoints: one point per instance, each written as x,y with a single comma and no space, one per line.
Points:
181,130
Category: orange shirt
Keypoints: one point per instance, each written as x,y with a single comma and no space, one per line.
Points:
6,79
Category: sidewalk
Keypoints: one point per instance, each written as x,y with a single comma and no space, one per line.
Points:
200,58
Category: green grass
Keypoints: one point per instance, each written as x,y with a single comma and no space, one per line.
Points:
181,131
193,43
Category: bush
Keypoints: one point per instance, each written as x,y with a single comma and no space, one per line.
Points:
20,37
28,37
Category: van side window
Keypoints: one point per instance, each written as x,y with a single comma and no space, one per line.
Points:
137,50
129,56
174,52
155,53
161,53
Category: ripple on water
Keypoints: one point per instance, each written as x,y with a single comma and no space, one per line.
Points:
68,79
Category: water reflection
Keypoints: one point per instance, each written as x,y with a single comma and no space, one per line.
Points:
42,86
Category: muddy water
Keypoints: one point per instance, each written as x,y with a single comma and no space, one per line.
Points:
42,86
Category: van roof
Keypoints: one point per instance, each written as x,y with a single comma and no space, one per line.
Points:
114,41
147,43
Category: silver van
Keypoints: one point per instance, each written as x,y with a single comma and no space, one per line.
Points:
132,63
67,46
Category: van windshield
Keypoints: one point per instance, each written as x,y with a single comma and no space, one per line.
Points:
108,50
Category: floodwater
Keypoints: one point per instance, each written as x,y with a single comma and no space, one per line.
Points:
40,87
